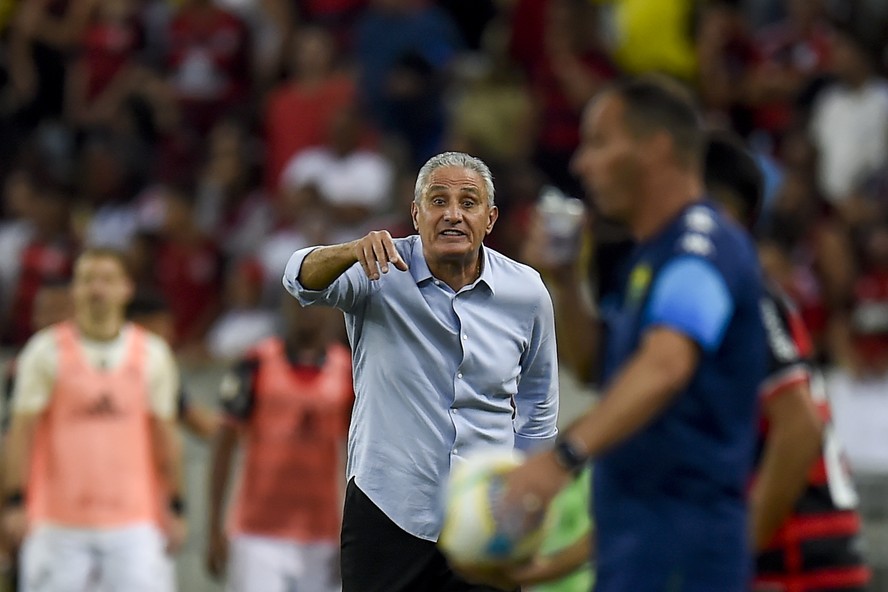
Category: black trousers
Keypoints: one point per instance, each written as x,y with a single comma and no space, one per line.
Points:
378,556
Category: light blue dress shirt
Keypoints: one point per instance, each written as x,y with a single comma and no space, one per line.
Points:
439,374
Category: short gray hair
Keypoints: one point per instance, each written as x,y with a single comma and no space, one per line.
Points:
453,159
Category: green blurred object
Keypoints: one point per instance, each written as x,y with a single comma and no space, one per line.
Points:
570,519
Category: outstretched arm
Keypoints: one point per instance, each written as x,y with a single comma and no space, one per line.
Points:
374,252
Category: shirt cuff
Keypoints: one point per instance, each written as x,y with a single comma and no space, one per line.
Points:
534,443
291,278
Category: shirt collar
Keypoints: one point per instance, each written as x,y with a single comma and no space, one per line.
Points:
421,272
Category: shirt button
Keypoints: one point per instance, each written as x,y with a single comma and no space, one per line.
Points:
456,451
459,375
437,282
456,410
465,337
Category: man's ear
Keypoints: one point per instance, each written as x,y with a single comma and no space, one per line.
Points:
414,212
492,216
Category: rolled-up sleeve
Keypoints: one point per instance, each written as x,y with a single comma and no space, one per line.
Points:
537,398
345,293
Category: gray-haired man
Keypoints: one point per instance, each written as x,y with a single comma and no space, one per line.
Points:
453,351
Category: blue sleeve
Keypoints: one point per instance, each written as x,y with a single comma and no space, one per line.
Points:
691,296
346,292
536,402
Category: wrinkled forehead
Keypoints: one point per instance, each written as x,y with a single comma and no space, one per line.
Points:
455,179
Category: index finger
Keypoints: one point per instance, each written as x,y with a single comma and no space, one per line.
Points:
393,256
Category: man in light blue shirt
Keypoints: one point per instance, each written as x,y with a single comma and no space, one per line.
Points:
453,351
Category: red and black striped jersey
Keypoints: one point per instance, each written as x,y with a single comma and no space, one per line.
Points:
817,547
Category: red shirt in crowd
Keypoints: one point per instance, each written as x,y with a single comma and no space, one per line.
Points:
209,60
107,48
298,117
41,262
189,276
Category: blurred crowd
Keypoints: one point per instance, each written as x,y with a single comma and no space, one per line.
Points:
209,139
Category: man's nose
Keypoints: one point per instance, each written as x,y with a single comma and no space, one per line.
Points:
452,213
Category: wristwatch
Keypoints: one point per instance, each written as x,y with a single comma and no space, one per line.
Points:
569,457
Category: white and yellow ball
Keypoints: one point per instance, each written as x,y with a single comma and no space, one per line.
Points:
478,530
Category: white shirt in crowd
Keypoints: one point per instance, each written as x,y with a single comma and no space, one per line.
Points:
849,128
860,415
362,178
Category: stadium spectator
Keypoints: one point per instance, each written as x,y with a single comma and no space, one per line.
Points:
109,47
299,110
353,184
570,70
188,269
209,62
849,122
404,49
47,255
794,54
231,208
244,322
15,231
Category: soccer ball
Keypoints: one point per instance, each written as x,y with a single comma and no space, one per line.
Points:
478,529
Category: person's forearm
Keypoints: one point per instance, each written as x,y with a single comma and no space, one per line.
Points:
654,376
220,471
66,31
18,452
201,421
168,455
576,324
566,561
323,265
790,449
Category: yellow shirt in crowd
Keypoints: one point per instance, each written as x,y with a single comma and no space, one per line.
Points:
654,36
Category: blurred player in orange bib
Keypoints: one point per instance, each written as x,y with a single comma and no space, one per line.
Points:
289,401
92,439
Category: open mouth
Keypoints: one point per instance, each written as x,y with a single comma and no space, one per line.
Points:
452,232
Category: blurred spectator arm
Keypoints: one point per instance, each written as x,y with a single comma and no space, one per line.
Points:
22,70
576,323
771,82
63,32
837,269
267,71
576,320
718,86
578,83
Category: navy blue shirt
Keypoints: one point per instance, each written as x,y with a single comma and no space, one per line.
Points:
664,496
